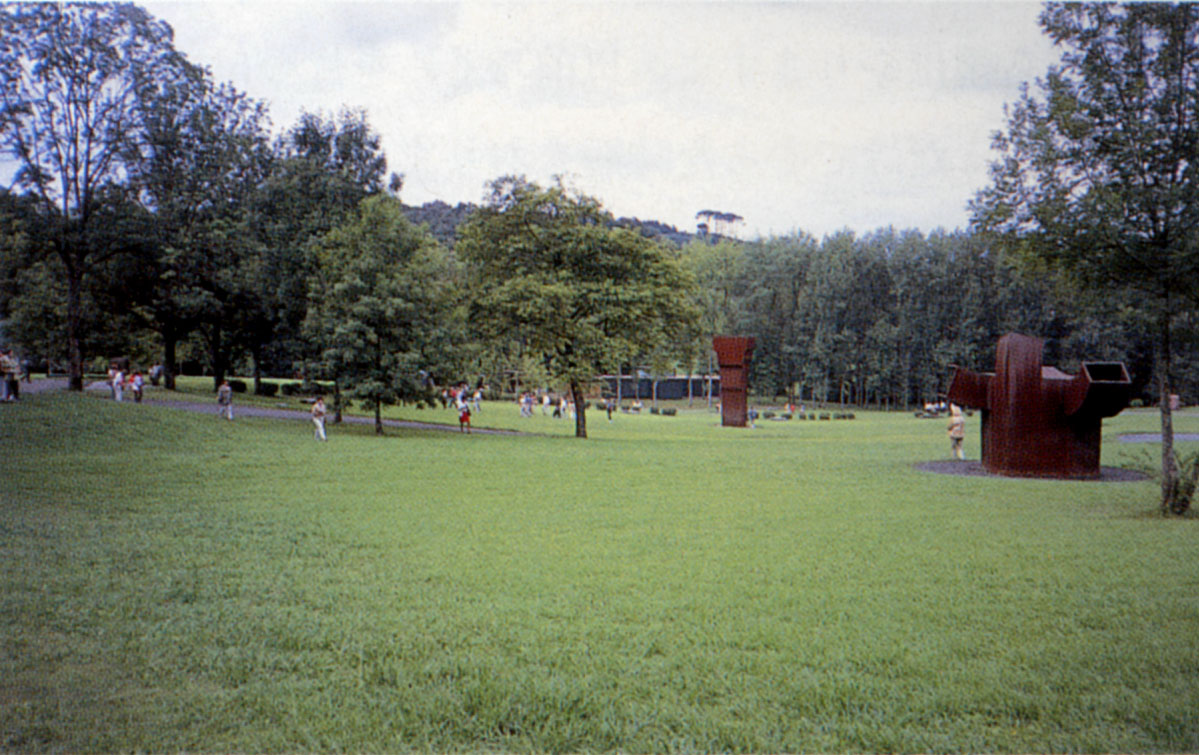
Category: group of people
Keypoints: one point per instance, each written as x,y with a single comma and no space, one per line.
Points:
559,407
460,398
120,381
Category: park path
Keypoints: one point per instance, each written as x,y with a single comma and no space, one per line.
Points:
49,384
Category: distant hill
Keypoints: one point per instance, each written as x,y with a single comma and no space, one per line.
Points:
443,220
655,230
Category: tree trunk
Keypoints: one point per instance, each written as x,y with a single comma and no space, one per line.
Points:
256,355
170,342
74,313
576,393
1170,502
336,401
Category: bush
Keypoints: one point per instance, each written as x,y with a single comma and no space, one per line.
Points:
238,386
767,415
291,389
653,410
267,389
825,416
786,415
669,412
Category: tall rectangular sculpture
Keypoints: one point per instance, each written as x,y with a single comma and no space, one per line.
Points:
734,354
1038,421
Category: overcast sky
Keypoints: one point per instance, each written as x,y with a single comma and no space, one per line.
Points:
796,116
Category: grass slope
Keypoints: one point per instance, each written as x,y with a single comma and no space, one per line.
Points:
170,581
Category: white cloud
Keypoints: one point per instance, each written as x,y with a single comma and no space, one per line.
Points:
793,115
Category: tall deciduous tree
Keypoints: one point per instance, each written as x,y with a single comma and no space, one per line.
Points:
1097,173
70,77
324,168
377,301
204,155
554,273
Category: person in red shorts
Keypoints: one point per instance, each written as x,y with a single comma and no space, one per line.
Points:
464,417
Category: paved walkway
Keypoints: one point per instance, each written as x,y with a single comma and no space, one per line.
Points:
1155,437
152,396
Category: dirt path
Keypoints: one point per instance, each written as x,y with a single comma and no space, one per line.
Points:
49,384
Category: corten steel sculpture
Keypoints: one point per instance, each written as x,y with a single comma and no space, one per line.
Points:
733,354
1038,421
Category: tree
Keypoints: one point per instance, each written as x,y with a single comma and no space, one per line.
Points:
1097,167
554,274
70,77
323,168
204,154
378,295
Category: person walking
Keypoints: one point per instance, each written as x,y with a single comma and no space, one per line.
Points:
464,418
10,369
318,418
224,400
957,432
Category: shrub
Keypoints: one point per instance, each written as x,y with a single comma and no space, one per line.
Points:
291,389
267,389
238,386
767,415
653,410
825,415
786,415
669,412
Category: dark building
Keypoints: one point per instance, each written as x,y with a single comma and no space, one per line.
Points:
669,389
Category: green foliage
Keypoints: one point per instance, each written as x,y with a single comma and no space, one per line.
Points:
71,106
378,302
580,294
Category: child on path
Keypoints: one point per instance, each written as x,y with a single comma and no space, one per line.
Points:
318,417
224,400
957,432
464,418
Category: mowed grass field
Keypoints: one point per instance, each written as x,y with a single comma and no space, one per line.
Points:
170,581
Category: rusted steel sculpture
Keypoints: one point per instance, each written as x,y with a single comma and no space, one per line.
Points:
1038,421
733,354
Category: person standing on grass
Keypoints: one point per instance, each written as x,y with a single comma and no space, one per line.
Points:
464,418
9,369
118,384
318,417
224,400
957,432
137,383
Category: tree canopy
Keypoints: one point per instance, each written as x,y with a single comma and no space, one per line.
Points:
582,295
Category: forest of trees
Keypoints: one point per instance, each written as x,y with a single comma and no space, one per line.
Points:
153,214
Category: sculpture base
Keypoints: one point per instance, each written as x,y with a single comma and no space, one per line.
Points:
976,469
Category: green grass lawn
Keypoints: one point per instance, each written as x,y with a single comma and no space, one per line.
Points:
170,581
